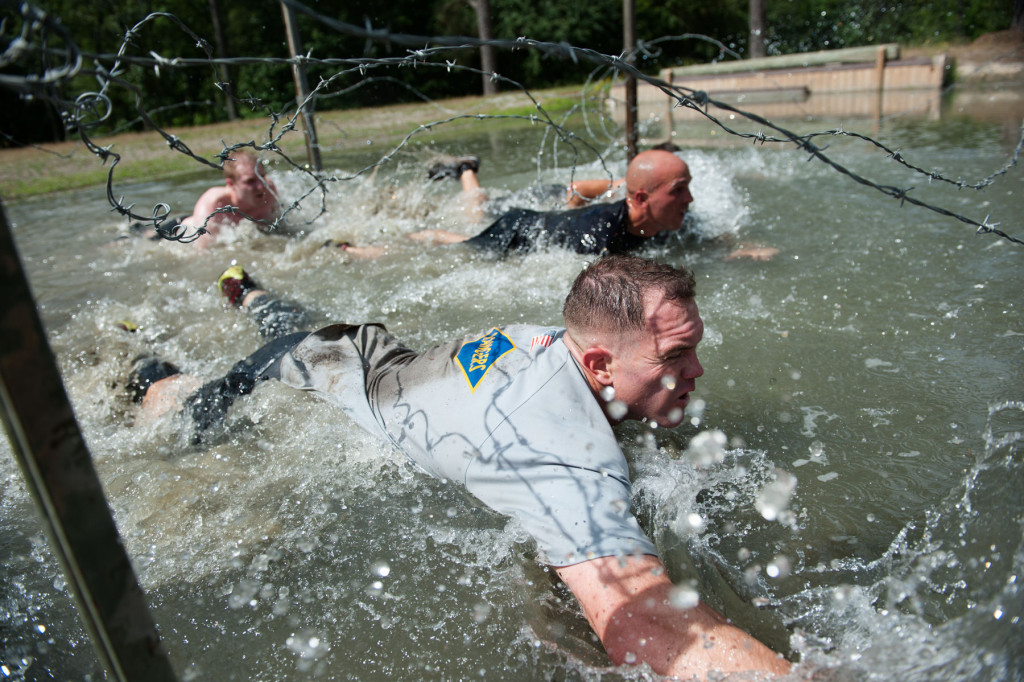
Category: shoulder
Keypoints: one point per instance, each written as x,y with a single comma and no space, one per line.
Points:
212,199
601,209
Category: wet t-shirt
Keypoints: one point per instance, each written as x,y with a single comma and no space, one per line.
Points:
507,413
598,229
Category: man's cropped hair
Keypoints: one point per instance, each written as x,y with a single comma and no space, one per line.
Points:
609,294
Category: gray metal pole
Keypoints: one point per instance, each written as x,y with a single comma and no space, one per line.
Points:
628,45
488,63
301,88
758,29
58,471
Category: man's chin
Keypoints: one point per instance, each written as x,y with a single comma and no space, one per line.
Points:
673,419
676,414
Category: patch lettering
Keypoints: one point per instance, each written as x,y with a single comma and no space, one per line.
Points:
476,357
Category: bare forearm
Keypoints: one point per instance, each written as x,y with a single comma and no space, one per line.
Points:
629,605
683,642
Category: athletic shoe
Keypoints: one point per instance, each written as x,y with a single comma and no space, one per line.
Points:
452,167
235,283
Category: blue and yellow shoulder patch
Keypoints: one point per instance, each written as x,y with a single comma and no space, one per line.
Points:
476,357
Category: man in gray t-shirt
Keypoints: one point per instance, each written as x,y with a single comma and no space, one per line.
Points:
507,413
522,416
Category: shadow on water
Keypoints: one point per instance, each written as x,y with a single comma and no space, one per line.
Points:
861,509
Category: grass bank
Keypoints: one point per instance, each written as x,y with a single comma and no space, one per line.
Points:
146,156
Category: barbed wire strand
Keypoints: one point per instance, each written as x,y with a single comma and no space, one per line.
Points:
89,110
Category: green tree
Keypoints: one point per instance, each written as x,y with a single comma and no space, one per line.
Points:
806,25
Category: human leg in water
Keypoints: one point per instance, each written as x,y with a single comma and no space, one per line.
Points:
274,317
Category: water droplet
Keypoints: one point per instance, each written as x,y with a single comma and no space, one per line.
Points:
307,644
608,393
750,575
778,568
668,382
842,594
683,597
774,497
481,611
630,658
707,448
617,409
695,522
382,569
243,594
696,407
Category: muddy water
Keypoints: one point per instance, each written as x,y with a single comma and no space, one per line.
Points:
863,514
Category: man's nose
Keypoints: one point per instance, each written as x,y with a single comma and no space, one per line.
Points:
693,368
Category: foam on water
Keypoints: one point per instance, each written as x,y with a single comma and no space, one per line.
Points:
854,501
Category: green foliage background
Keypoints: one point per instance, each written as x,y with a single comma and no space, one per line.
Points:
189,96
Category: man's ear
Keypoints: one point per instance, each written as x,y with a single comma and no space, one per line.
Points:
597,360
640,197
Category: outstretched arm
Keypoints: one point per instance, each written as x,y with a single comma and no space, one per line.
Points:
582,192
628,603
204,212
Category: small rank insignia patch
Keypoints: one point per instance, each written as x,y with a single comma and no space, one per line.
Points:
476,357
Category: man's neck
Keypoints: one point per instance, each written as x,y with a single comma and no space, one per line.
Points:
635,221
576,353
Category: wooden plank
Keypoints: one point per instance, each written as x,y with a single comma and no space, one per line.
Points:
912,73
851,55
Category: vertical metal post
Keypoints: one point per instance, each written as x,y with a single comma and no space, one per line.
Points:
758,29
488,64
628,46
58,471
301,87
